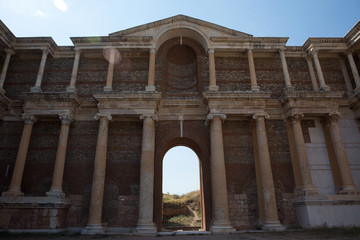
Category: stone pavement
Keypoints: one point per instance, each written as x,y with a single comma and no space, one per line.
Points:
289,235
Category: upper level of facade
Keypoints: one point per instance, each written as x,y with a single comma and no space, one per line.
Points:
178,61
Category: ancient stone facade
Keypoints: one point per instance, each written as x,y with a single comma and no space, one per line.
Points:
84,128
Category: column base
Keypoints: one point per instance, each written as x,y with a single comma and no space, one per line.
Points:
213,88
150,88
290,88
255,88
222,228
357,89
108,89
71,89
148,229
2,91
12,193
306,192
325,88
55,193
350,190
274,226
35,89
93,229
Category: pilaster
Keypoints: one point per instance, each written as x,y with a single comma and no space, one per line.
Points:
323,86
151,76
212,73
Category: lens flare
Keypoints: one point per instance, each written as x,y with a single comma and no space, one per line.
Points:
107,55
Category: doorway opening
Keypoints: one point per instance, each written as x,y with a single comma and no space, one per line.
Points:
182,190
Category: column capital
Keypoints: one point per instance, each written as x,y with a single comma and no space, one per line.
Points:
281,50
29,118
211,116
294,117
9,51
333,116
259,115
313,51
153,116
66,118
211,50
107,116
45,50
152,50
78,50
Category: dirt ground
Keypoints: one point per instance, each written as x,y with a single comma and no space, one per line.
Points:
289,235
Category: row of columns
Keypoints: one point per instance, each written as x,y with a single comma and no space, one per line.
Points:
212,73
16,179
221,223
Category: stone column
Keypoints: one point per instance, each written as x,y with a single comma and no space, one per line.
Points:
151,77
271,221
72,87
15,184
221,223
349,87
254,86
94,225
307,187
146,225
56,187
312,73
288,85
354,71
323,86
212,73
9,52
110,73
37,87
348,186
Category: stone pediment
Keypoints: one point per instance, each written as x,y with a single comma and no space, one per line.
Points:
178,21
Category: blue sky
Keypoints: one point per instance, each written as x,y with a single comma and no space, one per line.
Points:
298,20
261,18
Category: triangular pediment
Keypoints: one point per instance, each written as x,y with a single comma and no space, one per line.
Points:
178,21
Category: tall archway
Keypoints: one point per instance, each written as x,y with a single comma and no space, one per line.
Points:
182,196
195,137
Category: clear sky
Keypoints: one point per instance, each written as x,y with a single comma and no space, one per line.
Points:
296,19
180,171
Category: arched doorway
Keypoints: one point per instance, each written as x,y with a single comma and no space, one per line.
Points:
196,137
182,196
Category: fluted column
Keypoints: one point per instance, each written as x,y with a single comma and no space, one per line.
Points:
323,86
146,225
348,84
354,70
110,73
16,179
221,223
254,85
37,87
56,186
212,73
271,221
348,186
307,187
72,87
288,85
94,224
9,52
312,73
151,76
